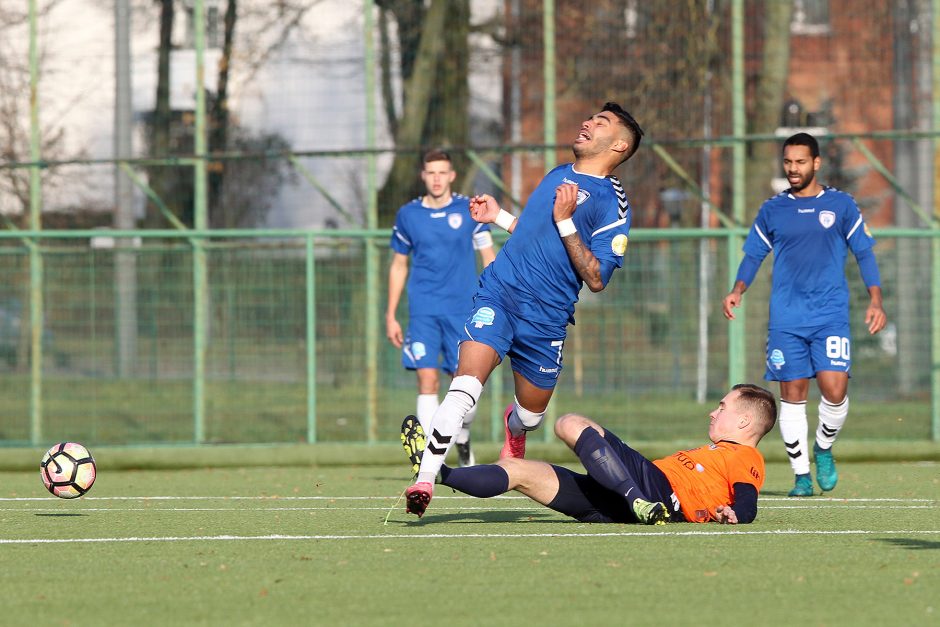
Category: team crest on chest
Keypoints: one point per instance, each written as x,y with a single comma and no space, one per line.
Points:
454,220
827,218
582,195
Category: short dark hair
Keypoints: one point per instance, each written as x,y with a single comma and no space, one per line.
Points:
760,402
803,139
633,127
436,154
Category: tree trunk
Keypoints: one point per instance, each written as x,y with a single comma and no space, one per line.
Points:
420,90
160,176
219,124
764,158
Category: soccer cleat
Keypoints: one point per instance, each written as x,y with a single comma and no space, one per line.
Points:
803,486
650,513
413,440
826,475
465,455
417,497
514,446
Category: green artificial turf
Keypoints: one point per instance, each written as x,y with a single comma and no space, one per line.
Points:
307,545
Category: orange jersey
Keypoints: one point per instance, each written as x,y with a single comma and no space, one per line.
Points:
703,478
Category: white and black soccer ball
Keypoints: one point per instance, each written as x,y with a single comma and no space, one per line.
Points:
68,470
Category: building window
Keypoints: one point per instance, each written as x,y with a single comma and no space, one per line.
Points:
810,17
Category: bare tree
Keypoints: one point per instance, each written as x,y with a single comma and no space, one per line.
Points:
433,67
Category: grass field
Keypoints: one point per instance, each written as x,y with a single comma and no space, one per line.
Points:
307,545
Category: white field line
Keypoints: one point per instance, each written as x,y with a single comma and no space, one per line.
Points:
83,499
439,536
469,508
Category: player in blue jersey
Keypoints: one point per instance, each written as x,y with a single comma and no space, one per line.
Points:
437,230
810,228
572,231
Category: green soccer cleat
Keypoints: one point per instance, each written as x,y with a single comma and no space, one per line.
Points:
413,440
826,475
803,486
650,513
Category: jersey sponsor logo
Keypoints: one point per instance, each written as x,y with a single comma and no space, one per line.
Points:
619,244
754,473
438,214
836,362
482,317
418,350
776,358
827,218
685,460
455,220
806,210
548,370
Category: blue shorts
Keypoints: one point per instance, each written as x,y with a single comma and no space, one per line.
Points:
431,342
584,499
801,353
534,349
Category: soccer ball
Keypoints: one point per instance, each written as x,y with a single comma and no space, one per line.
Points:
67,470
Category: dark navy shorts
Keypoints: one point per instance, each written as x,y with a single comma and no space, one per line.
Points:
584,499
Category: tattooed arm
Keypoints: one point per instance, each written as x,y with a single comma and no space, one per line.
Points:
585,263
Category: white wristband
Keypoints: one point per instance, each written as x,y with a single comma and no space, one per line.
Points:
566,227
504,219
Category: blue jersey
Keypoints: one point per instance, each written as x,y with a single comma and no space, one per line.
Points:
810,238
532,273
442,242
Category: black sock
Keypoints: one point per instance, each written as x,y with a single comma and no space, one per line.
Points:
480,481
604,467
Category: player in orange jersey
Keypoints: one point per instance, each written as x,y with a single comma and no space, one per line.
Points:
719,481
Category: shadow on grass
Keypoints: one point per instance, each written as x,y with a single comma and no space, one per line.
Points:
914,544
490,516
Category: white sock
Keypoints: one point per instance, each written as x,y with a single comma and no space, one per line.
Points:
522,420
464,436
794,428
448,419
427,405
831,420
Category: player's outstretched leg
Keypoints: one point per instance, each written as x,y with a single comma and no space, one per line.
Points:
413,440
826,475
650,513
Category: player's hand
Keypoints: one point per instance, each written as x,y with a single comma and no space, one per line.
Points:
725,515
875,318
393,332
566,201
484,208
732,300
